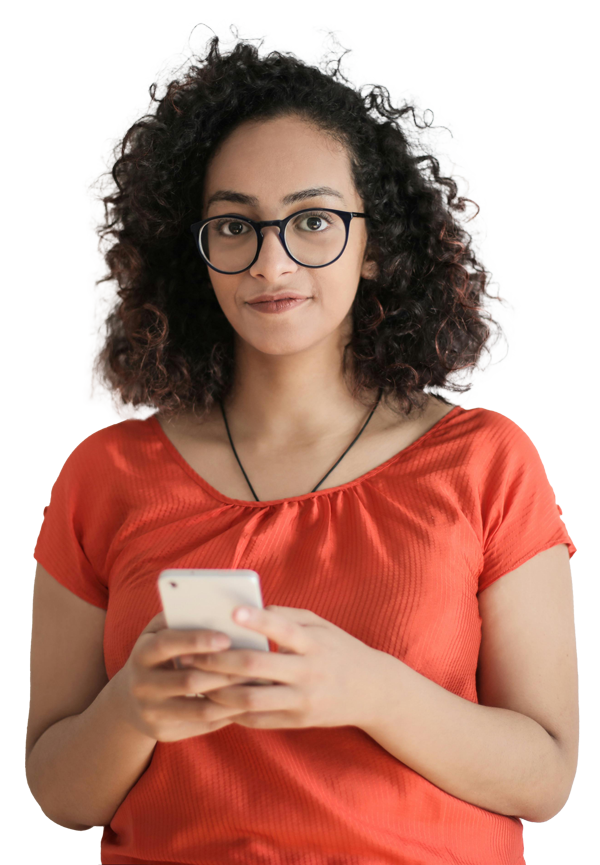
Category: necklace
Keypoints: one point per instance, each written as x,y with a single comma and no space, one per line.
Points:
330,470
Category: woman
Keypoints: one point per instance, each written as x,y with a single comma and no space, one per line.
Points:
422,707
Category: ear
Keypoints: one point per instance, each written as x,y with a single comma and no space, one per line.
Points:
369,270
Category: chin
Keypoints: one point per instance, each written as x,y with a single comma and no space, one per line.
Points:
283,347
292,342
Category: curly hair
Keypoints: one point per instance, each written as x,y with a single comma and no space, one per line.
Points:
168,343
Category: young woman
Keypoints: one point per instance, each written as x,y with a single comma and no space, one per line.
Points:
289,343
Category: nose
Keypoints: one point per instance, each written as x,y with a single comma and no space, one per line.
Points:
273,260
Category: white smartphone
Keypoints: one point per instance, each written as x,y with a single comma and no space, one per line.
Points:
206,598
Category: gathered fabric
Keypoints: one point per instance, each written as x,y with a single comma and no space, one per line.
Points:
396,557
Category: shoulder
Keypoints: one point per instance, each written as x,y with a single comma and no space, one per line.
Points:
493,423
488,453
100,476
518,504
494,437
116,445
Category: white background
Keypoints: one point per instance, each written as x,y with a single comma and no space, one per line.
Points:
528,120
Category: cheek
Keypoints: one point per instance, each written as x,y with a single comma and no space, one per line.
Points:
224,287
336,298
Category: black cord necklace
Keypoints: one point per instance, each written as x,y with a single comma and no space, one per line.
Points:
332,467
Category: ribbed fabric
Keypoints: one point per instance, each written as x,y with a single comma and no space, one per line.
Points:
395,557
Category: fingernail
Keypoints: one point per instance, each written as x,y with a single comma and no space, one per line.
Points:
243,614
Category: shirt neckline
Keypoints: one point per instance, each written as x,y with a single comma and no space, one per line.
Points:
157,430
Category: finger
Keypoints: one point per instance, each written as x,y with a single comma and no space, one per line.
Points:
188,663
201,710
168,643
263,720
297,614
232,679
254,664
277,626
257,698
178,683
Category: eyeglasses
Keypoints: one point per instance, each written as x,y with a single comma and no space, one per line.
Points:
231,244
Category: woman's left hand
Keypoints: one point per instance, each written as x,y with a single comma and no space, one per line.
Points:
324,677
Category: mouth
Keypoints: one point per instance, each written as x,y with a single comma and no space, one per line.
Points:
271,298
279,304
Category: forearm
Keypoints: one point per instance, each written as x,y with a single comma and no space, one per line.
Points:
81,768
495,758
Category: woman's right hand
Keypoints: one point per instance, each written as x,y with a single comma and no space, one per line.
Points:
153,693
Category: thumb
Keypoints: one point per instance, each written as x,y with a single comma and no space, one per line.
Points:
158,623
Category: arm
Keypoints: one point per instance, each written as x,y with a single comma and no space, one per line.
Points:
514,753
517,756
88,739
82,758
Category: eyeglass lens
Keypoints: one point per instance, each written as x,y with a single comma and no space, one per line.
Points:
313,238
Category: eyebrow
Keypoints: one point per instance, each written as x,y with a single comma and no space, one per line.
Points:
292,198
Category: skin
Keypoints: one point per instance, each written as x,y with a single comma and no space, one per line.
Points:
291,416
290,412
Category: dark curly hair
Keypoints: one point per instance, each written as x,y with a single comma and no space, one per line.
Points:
168,343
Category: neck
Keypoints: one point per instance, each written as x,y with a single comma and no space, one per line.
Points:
289,400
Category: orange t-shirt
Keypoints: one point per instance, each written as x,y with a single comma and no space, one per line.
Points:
396,558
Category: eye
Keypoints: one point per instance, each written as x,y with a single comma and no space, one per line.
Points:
315,221
228,227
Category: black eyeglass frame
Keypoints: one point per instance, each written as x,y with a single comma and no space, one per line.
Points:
345,215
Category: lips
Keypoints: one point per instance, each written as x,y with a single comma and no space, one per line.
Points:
278,305
270,298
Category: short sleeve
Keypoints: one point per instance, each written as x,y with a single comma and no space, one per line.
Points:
61,543
520,515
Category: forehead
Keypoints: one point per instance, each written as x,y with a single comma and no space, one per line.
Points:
269,159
